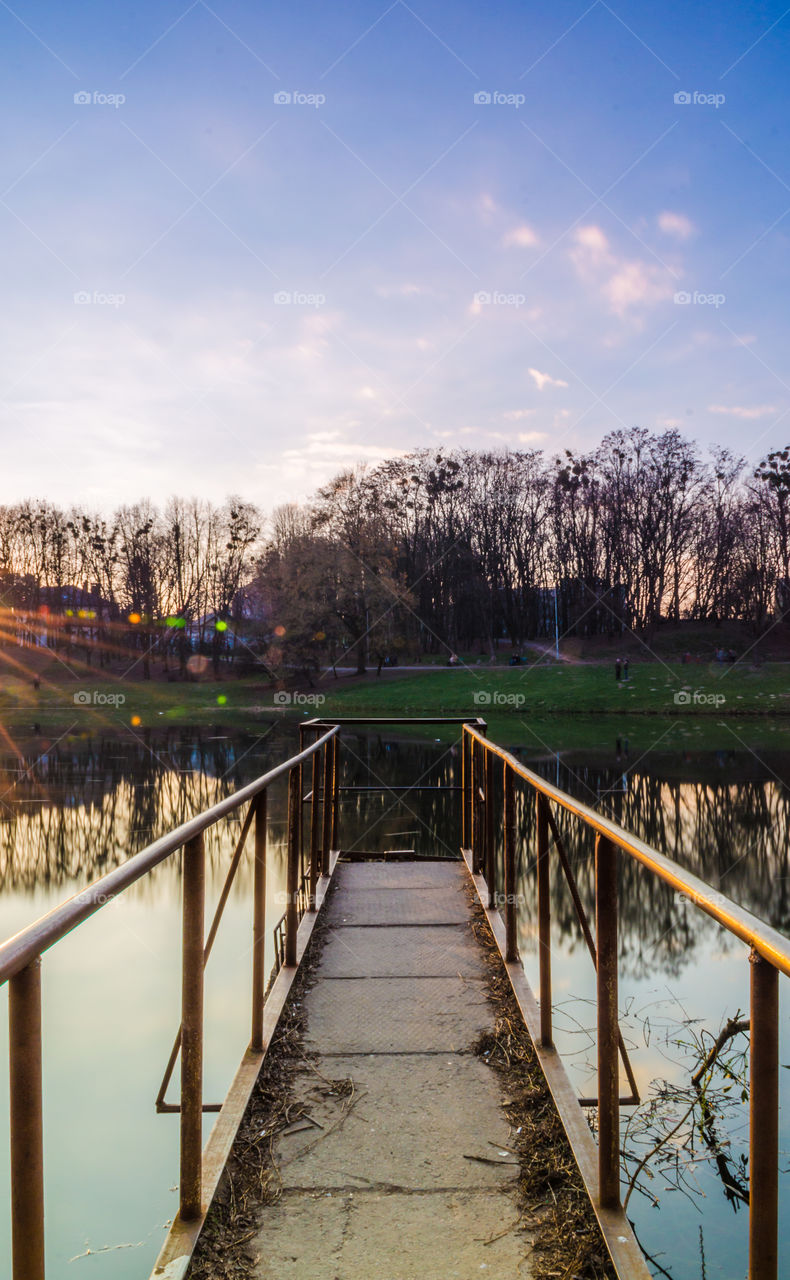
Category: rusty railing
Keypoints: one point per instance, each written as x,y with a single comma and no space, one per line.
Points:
20,967
309,865
769,956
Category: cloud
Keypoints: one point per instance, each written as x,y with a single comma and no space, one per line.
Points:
488,206
531,437
676,224
522,237
407,290
635,283
542,380
623,282
591,242
515,415
743,411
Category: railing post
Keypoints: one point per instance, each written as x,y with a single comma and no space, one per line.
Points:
490,859
293,868
191,1182
544,918
335,788
608,1064
326,812
474,774
27,1130
259,923
314,828
763,1120
511,943
466,792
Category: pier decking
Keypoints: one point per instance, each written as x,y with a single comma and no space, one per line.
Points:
411,1176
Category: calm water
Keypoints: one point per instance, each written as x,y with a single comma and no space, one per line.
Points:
74,808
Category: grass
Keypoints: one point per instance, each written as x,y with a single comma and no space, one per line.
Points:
653,689
103,697
523,705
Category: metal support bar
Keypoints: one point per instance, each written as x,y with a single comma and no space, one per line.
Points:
335,788
608,1072
763,1120
326,811
27,1133
191,1181
163,1107
293,868
314,843
259,924
544,919
466,747
392,789
633,1099
474,778
510,867
490,856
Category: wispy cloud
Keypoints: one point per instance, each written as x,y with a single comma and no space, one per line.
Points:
743,411
542,380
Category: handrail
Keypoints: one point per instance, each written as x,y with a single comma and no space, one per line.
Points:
768,942
769,956
38,937
20,967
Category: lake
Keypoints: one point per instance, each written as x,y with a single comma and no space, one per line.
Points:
74,807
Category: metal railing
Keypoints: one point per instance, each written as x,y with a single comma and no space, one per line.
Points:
769,956
20,967
20,962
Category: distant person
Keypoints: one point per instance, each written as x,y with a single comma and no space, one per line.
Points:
617,666
452,661
36,682
625,669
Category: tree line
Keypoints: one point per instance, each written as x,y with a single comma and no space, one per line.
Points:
428,552
434,552
141,581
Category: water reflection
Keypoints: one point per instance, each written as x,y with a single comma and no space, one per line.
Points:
75,807
691,806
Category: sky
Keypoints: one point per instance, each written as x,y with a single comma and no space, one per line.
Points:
247,245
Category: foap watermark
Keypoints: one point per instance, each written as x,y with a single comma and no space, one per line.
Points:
508,900
686,98
298,99
98,299
98,899
293,298
482,698
283,698
496,98
709,898
94,98
485,298
697,299
687,698
95,698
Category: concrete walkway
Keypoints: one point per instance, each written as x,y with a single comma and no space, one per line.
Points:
402,1170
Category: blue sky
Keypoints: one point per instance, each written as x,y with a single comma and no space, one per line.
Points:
467,227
